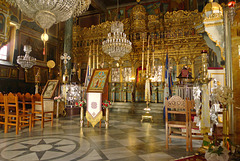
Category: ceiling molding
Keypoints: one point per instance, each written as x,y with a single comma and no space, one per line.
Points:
89,13
131,4
99,5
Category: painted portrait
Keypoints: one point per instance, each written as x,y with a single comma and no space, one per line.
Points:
112,14
153,8
50,88
2,23
98,80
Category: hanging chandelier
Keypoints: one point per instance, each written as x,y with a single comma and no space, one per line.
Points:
26,61
48,12
117,44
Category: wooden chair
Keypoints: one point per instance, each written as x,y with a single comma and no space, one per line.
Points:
20,101
194,132
176,106
13,116
2,109
40,113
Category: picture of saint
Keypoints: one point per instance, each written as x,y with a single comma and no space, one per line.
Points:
2,23
51,86
98,80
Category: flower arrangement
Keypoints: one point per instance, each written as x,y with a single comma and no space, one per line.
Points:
217,152
223,95
58,98
80,103
106,104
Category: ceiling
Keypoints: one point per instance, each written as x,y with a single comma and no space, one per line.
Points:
100,6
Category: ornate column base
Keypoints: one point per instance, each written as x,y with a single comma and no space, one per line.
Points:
81,117
205,145
107,119
147,115
57,112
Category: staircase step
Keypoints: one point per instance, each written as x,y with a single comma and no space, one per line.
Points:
136,107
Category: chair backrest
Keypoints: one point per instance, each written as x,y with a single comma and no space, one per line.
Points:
37,99
12,102
177,105
191,110
1,98
176,102
2,102
27,97
20,96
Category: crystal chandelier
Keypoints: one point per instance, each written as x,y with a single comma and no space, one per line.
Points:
26,61
117,44
48,12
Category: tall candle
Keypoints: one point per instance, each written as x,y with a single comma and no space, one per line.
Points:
148,54
89,58
94,54
153,52
143,54
97,58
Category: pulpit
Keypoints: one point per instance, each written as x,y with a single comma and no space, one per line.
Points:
97,92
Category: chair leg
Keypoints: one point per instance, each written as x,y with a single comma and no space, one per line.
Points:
17,125
52,119
87,123
190,140
42,123
30,123
166,137
33,120
187,139
6,125
100,123
170,131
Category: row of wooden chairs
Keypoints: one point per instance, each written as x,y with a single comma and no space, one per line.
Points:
181,124
14,111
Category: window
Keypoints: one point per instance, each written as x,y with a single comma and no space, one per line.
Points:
3,53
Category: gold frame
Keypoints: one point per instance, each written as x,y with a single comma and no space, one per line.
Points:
95,72
50,89
223,74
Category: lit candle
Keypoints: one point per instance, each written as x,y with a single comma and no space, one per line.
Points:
153,52
148,54
94,54
143,54
97,58
89,58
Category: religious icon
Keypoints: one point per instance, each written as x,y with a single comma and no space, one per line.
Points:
185,73
98,80
50,88
2,23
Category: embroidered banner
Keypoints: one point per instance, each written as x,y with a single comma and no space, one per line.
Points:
94,108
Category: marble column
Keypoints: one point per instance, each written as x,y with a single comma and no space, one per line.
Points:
68,43
228,55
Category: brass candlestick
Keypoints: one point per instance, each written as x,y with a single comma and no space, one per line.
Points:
147,114
204,80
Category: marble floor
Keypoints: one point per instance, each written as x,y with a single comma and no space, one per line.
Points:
125,139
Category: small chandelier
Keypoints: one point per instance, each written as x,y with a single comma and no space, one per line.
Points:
48,12
26,61
117,44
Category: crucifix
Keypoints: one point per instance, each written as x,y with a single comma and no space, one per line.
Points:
65,57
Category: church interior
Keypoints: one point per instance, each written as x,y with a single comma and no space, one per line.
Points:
120,80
